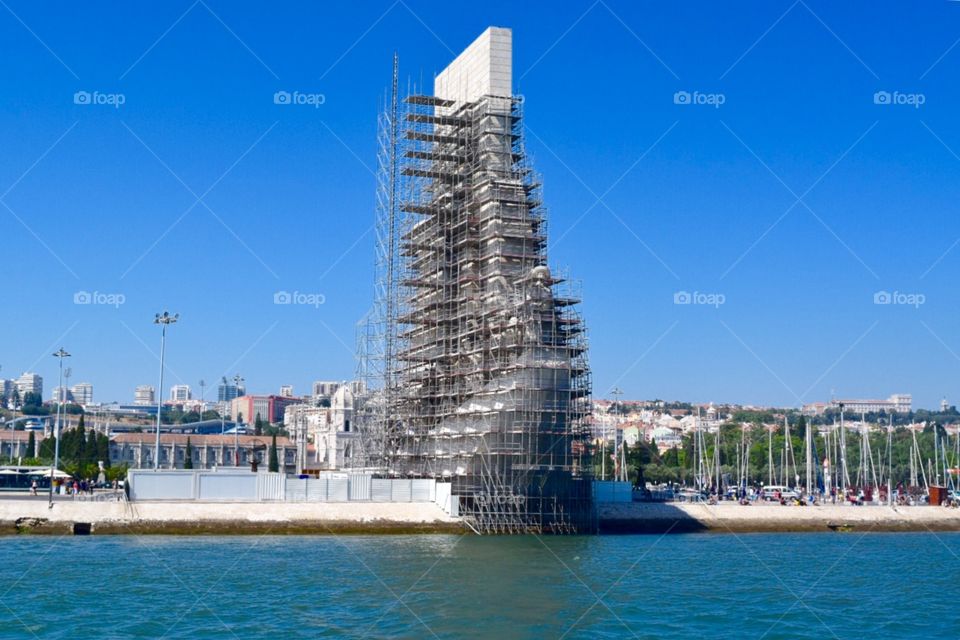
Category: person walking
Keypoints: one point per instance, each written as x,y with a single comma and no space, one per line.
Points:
33,488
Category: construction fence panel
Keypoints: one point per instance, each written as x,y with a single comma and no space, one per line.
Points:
271,486
338,489
217,486
401,491
422,490
161,485
381,490
359,486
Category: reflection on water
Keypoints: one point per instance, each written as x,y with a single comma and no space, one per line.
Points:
792,585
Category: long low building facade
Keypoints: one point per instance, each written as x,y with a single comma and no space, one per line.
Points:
136,450
16,444
208,451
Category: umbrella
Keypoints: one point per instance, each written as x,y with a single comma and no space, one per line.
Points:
46,472
9,472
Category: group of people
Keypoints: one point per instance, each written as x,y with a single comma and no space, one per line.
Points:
71,487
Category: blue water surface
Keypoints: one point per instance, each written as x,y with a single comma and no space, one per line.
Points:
832,585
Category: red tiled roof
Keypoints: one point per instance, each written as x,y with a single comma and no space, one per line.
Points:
8,435
199,440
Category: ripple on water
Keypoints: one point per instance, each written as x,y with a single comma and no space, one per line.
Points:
716,586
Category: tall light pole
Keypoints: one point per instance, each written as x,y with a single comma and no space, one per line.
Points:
237,380
616,392
223,408
163,320
61,354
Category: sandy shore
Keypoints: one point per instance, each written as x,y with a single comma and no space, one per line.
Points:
731,517
34,516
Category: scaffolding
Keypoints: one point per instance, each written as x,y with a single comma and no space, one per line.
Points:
481,352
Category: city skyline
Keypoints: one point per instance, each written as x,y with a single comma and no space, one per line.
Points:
759,241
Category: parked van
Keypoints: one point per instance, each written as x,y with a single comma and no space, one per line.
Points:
770,492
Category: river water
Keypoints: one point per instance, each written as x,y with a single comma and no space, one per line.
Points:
844,585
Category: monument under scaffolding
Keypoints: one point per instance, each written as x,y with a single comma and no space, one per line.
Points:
476,349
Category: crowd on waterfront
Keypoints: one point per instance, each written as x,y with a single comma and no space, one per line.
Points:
790,496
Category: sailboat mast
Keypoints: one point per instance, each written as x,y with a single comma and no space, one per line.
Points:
809,457
769,454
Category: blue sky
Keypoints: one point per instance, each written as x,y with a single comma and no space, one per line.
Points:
793,202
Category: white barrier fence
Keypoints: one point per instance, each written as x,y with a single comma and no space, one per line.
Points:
207,486
356,487
243,486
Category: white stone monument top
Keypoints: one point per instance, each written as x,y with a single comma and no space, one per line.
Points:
484,68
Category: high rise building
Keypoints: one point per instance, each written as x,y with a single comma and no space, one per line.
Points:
324,388
269,408
30,383
82,393
61,394
485,380
144,395
286,391
180,393
227,392
358,387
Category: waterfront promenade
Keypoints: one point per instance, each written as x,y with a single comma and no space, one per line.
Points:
726,517
106,516
19,515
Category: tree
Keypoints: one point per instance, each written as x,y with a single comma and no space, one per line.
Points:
274,459
103,450
91,450
258,426
79,441
188,456
15,398
47,446
32,445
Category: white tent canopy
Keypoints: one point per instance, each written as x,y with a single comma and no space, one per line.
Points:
46,472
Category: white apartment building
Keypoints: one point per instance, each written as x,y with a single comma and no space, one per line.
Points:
180,393
61,394
82,393
144,394
897,403
30,383
325,388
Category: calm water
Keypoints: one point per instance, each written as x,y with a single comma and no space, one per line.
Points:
682,586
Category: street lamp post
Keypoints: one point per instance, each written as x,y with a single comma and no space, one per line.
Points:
237,380
163,320
61,354
223,407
